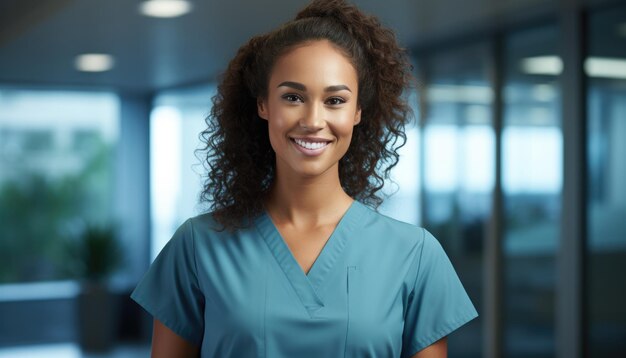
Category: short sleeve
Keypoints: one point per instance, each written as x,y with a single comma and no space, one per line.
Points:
169,291
438,304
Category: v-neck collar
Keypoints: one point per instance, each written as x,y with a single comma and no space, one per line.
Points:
308,285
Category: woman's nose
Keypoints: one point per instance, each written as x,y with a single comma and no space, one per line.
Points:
313,118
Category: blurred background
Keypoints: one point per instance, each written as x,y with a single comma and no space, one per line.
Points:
515,160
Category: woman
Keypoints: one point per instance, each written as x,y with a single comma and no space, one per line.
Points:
292,261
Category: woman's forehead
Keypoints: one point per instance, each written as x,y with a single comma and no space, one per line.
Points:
317,63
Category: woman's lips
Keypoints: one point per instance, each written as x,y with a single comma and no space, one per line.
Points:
310,147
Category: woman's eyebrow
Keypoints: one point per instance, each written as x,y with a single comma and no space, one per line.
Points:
337,88
294,85
301,87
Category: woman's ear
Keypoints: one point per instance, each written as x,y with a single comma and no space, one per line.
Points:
261,106
357,117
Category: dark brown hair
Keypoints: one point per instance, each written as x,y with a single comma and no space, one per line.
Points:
237,153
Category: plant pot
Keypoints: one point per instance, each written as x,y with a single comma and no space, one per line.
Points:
97,318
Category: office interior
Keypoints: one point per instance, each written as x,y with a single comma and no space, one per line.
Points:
515,160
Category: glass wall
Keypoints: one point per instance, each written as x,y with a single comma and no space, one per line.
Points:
606,139
458,169
531,182
176,174
56,177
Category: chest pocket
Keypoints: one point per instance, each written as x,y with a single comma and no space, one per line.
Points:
375,320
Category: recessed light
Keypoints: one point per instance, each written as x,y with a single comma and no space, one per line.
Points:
542,65
594,67
165,8
606,67
94,62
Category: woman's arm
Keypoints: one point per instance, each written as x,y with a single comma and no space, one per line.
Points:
167,344
438,349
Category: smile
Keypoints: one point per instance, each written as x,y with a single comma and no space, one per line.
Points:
310,145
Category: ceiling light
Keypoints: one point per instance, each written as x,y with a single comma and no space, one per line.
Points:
594,66
605,67
94,62
542,65
165,8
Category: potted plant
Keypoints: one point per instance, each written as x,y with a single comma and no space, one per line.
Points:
93,256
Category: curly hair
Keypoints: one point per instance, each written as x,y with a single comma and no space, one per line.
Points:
238,156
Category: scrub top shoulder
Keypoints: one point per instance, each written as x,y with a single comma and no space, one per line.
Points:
379,288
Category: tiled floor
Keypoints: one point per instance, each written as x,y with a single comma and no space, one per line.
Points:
71,350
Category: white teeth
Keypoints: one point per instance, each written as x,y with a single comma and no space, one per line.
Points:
310,145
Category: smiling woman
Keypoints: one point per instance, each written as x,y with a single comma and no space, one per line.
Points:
294,260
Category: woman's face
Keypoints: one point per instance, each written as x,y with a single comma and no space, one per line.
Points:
311,109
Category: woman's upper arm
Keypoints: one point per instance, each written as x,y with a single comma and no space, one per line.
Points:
438,349
167,344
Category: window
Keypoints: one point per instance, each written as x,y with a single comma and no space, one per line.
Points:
176,175
404,187
56,154
531,182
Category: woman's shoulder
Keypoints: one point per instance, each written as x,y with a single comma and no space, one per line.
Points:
206,225
392,229
205,221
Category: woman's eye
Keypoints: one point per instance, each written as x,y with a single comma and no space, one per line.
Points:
292,98
333,101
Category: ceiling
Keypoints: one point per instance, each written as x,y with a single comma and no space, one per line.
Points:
39,39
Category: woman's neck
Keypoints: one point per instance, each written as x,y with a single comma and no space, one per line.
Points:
307,202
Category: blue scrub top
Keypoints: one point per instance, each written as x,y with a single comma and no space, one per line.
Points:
379,288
